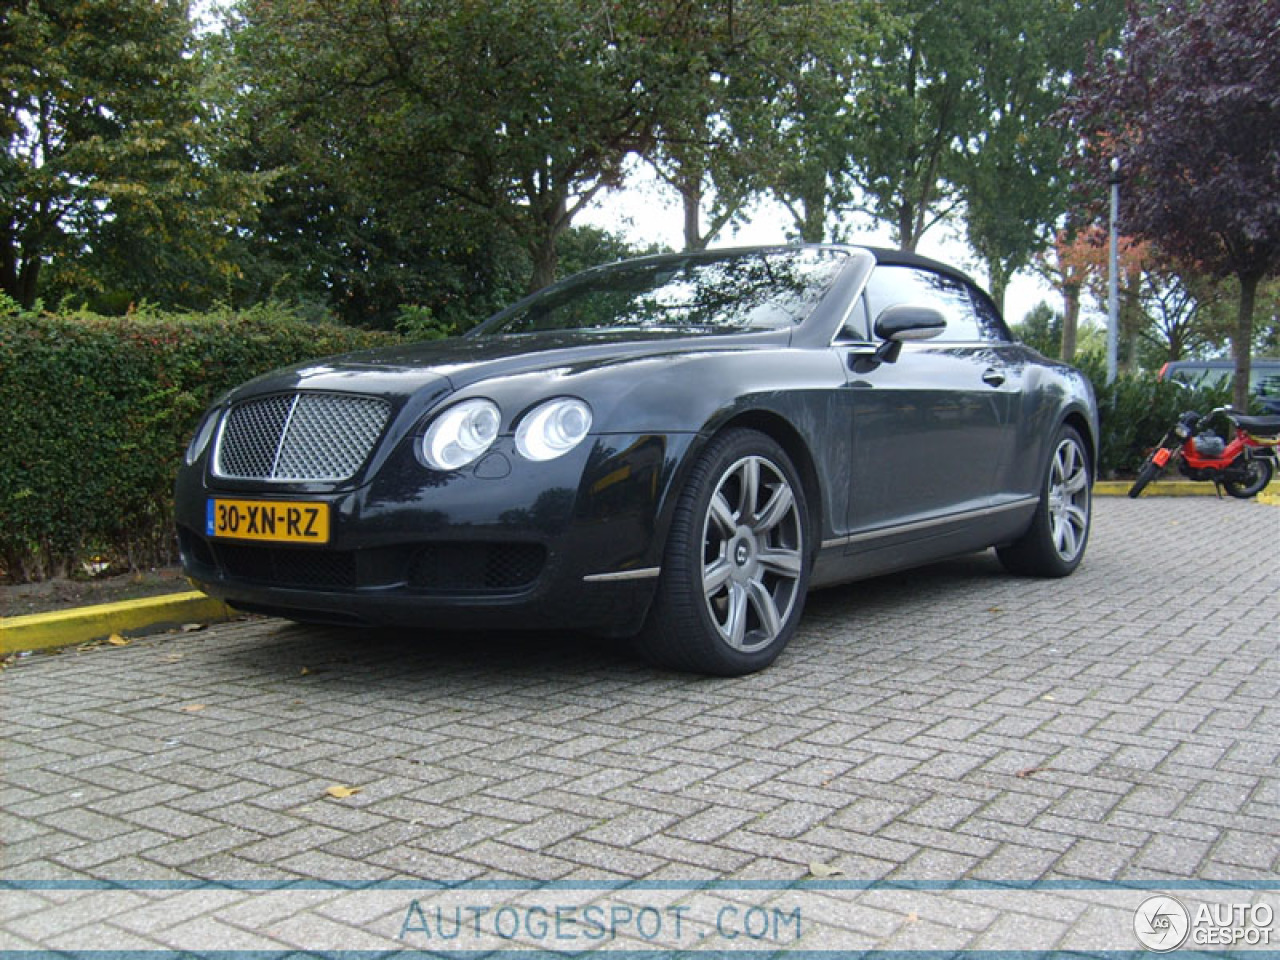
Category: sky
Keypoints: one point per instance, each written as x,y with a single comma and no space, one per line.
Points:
645,212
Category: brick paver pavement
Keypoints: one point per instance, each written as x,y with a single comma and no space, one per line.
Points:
948,723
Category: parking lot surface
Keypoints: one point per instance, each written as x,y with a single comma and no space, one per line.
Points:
942,724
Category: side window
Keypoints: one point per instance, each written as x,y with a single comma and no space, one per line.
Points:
857,326
1268,386
990,325
970,316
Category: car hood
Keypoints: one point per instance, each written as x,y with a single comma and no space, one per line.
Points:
458,362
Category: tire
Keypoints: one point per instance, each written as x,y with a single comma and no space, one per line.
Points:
1150,470
1054,544
736,565
1253,478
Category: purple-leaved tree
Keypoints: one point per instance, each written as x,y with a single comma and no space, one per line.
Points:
1191,110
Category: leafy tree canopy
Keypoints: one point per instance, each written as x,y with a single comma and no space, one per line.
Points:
104,168
1191,112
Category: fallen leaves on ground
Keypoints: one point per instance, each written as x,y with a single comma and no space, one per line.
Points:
340,792
824,870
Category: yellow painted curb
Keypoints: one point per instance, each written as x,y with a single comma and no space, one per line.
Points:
1170,488
41,631
1177,488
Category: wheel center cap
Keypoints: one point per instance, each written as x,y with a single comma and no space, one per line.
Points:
742,554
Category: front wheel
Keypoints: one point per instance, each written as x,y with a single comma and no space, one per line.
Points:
1053,545
1249,480
736,564
1149,471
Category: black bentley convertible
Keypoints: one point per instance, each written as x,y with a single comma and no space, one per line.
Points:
675,448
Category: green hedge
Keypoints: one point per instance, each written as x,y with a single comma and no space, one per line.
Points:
96,414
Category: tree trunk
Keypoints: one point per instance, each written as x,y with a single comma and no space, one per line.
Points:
19,276
28,280
1070,319
907,239
813,229
998,281
691,198
544,248
1242,340
546,258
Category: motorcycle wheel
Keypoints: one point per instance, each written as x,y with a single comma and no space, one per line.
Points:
1150,470
1250,481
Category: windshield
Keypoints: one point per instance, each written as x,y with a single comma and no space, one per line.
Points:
764,290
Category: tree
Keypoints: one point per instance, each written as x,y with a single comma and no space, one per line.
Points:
456,119
103,174
1041,329
1180,309
1078,264
813,115
808,136
913,114
1191,110
1011,177
707,145
698,157
766,101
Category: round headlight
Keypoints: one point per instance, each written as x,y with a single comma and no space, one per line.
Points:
461,434
553,429
201,439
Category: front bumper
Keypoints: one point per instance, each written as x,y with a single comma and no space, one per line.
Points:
574,542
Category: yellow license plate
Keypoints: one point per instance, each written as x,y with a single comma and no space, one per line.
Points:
278,521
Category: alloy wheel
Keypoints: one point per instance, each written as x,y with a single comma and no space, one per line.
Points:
753,543
1069,499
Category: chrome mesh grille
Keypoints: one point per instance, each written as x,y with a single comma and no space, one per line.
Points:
300,437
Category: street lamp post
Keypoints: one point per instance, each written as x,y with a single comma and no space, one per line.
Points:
1113,278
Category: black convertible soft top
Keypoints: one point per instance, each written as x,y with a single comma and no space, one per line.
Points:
902,258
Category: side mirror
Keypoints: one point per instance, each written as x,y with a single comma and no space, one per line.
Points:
895,326
907,321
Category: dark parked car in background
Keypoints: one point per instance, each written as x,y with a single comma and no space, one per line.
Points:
675,448
1264,377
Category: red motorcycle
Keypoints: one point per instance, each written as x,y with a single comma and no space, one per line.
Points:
1242,467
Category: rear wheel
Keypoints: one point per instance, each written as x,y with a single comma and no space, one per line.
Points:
736,565
1249,480
1054,544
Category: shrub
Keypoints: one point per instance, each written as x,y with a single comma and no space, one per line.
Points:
98,412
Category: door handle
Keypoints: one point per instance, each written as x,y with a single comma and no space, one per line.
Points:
993,378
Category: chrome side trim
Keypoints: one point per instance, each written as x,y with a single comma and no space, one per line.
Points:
926,524
646,573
